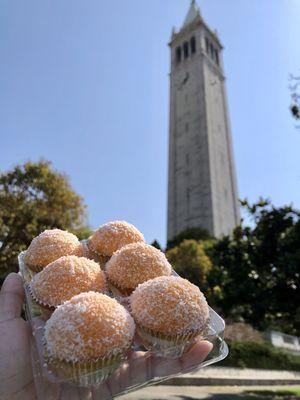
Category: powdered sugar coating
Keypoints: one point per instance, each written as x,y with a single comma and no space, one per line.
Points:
112,236
170,306
136,263
65,278
50,245
88,327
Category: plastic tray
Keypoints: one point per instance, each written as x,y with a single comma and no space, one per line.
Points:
141,368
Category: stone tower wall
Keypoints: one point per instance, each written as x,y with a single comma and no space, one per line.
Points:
201,187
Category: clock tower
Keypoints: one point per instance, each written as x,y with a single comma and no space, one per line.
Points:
202,189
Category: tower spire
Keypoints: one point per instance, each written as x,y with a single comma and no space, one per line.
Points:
192,14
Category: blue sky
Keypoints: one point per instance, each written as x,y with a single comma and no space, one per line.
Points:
85,85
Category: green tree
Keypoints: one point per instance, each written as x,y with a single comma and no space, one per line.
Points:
82,232
189,233
295,96
190,261
156,244
34,197
255,277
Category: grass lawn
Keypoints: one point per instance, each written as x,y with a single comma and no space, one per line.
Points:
286,393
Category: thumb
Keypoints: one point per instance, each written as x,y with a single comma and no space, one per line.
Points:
11,297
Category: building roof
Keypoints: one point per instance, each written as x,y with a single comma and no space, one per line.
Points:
192,14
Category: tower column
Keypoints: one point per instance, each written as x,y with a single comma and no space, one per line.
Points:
202,190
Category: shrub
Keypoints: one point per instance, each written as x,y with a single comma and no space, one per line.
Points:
241,332
259,355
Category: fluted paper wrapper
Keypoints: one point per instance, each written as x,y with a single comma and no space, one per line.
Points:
169,346
45,310
87,373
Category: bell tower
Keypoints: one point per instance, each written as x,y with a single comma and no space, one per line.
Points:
202,189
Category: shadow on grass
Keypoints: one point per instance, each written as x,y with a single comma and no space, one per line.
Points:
216,397
228,396
249,395
278,394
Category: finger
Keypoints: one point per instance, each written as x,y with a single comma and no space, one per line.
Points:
102,392
133,372
68,392
196,355
139,368
144,366
189,360
11,297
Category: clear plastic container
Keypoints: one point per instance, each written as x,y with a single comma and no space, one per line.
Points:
142,367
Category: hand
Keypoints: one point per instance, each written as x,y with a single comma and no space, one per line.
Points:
15,364
16,375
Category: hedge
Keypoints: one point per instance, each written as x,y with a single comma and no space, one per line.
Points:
262,356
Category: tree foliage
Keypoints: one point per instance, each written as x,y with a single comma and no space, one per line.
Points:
189,233
34,197
295,96
82,232
190,261
156,244
255,277
255,273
